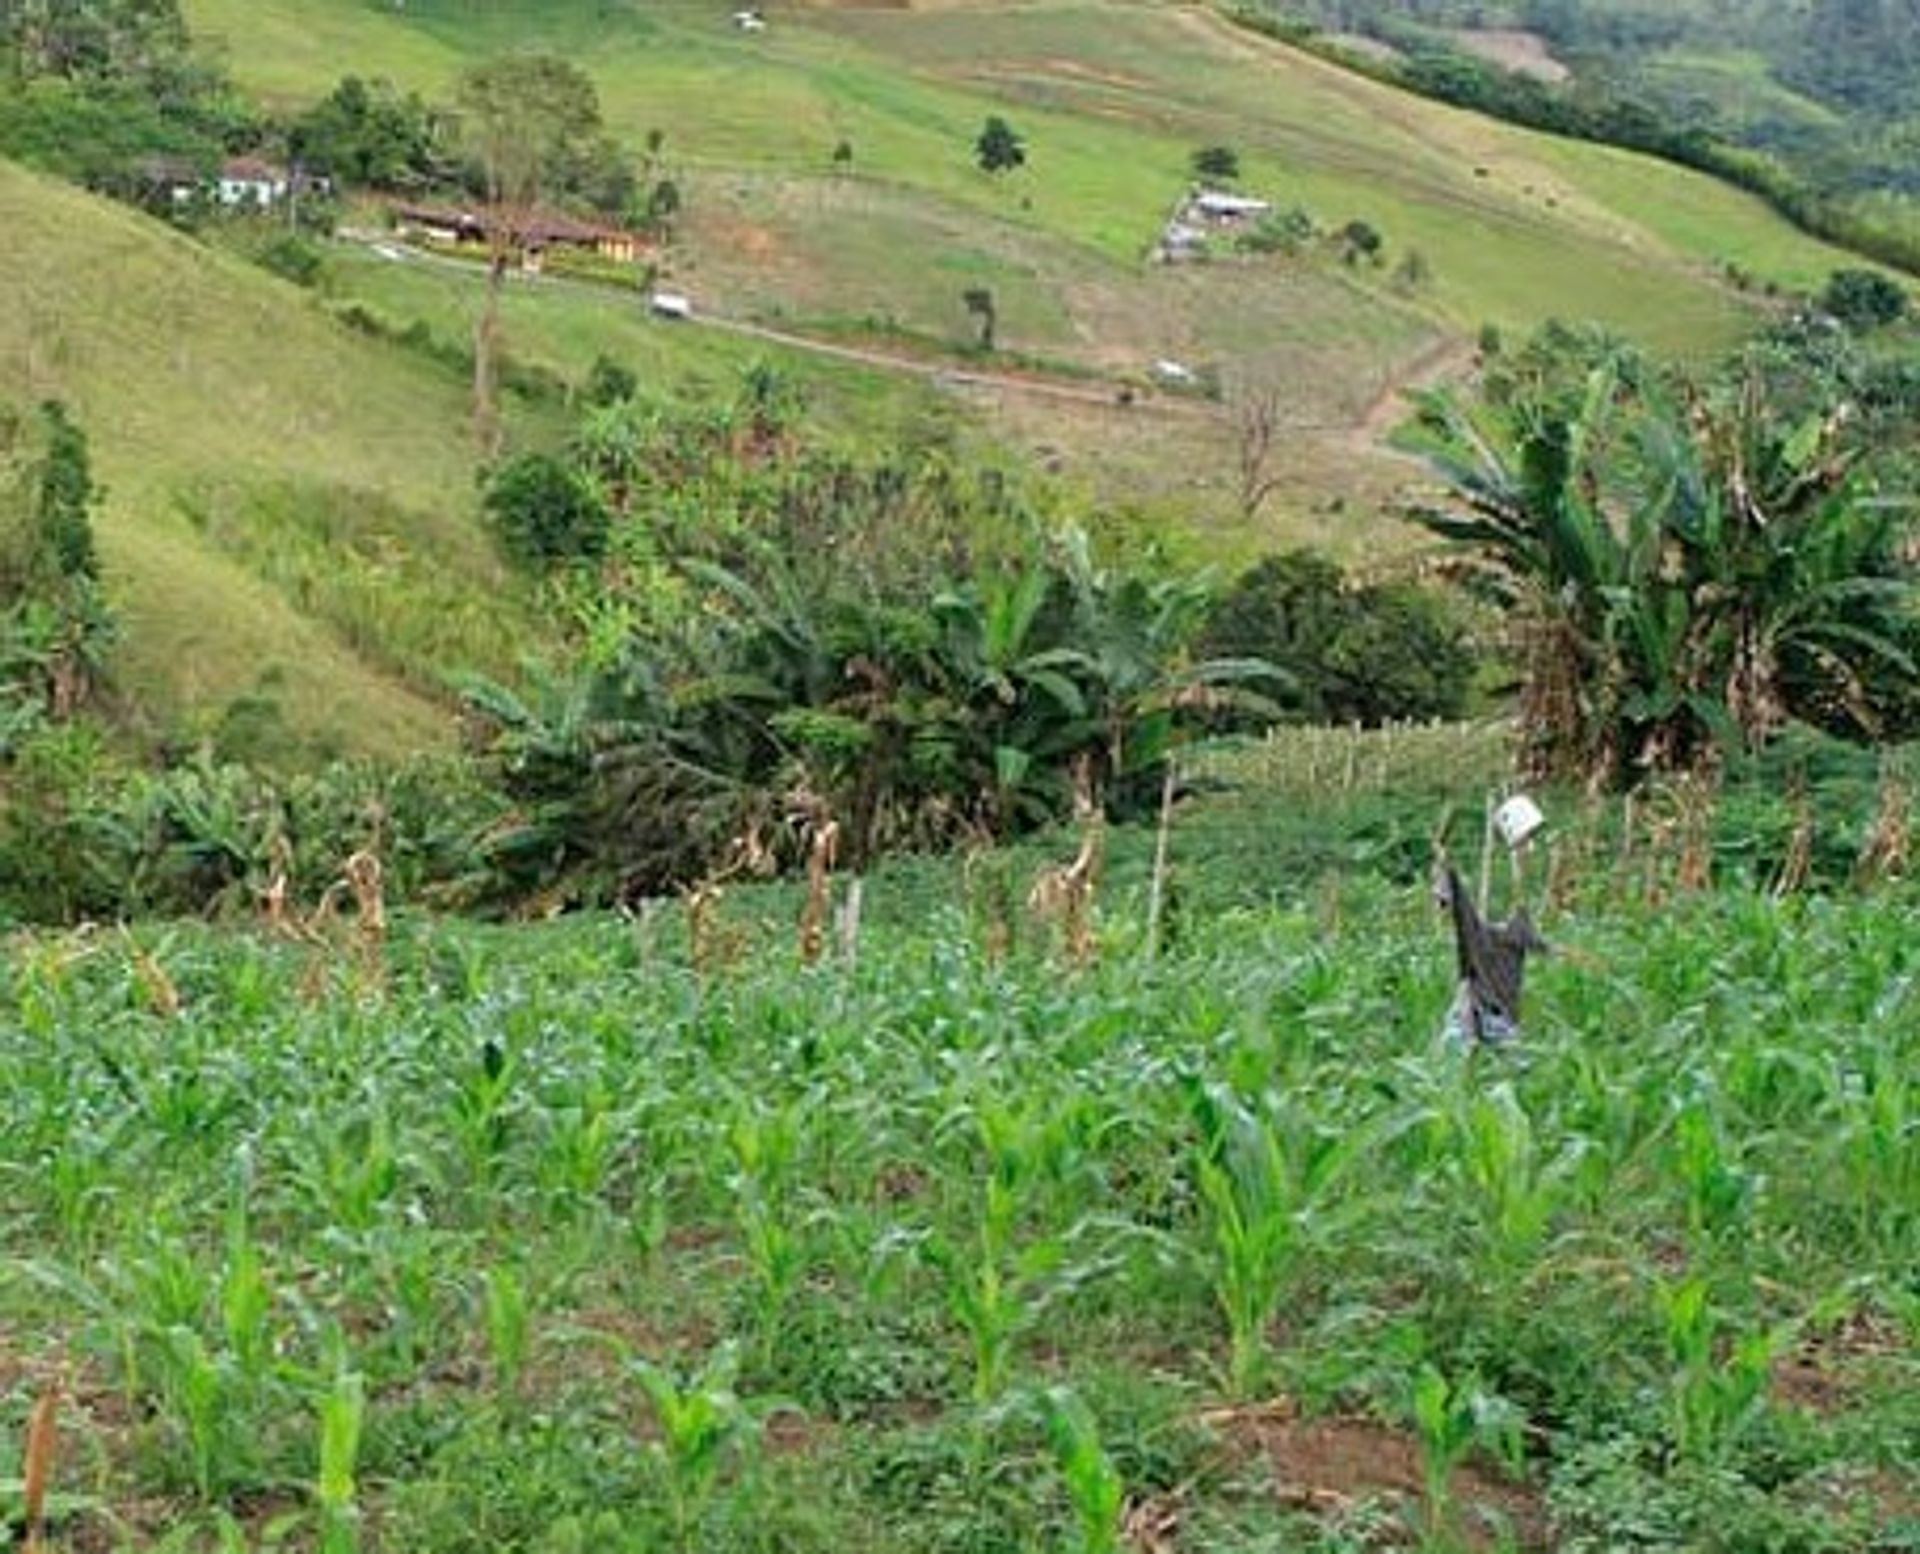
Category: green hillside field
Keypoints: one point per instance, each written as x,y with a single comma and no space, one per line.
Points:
1113,98
293,515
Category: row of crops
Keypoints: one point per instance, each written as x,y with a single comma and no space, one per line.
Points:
535,1239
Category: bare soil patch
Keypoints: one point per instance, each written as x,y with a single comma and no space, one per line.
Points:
1511,48
1326,1466
1363,47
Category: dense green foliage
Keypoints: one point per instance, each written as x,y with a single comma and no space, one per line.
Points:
781,625
1685,566
371,135
98,90
1350,653
546,512
537,1239
1864,299
999,148
55,627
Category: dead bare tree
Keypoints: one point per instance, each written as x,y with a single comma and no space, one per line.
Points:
1256,429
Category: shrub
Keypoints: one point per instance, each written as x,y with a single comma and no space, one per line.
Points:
1864,300
545,512
1216,164
293,258
1368,655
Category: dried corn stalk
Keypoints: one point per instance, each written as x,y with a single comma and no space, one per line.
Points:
823,851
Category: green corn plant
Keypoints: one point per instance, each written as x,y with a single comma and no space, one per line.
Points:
1718,1382
481,1109
342,1413
1716,1189
195,1390
1093,1483
509,1328
763,1145
1261,1210
1879,1143
993,1284
1451,1421
246,1311
354,1172
982,1297
1255,1239
1515,1190
702,1424
578,1150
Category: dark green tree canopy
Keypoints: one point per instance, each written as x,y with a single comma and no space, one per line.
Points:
369,134
1216,164
1366,654
527,120
1864,299
1000,148
546,512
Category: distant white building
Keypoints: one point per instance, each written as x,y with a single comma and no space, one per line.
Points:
246,180
1218,206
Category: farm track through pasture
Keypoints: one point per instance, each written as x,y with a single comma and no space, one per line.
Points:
1435,363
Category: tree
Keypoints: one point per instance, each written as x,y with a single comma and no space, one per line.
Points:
980,303
663,204
999,148
1368,654
1681,575
609,382
1864,300
1361,240
522,118
843,156
546,512
366,133
1216,164
55,627
1255,410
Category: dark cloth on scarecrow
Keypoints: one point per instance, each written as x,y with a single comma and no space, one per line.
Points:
1493,965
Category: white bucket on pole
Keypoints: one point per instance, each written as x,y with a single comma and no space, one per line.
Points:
1518,820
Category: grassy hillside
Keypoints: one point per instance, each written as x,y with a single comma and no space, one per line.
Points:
1113,98
292,513
290,509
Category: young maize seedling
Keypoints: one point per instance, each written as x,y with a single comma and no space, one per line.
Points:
1262,1205
702,1422
1451,1421
1718,1386
509,1329
1093,1483
764,1145
342,1413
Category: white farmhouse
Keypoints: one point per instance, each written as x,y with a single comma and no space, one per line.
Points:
246,180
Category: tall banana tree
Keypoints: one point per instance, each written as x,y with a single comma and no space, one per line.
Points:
1523,509
1683,573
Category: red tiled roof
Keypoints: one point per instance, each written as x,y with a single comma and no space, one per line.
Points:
250,169
541,227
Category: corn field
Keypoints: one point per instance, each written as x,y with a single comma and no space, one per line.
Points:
585,1237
